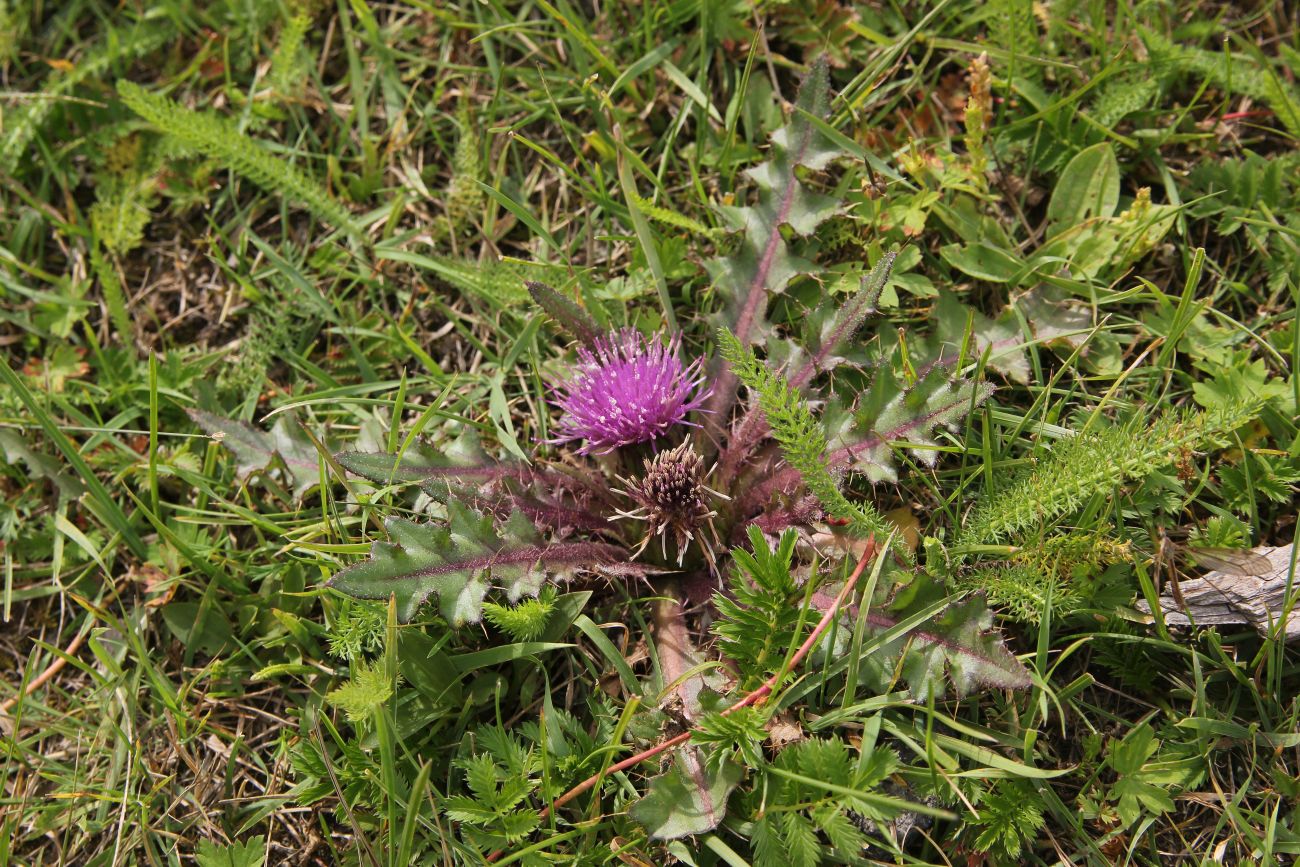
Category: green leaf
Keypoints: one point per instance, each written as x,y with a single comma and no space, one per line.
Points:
983,261
250,853
500,282
218,137
690,798
954,646
830,328
800,436
256,450
462,461
764,262
1088,188
40,466
209,634
1092,463
892,411
460,562
567,313
363,694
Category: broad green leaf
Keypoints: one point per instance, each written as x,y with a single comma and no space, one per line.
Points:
257,450
983,261
1088,188
690,798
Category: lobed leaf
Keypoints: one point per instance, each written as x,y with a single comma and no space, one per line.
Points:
463,461
764,262
465,471
892,411
460,562
690,798
954,645
256,450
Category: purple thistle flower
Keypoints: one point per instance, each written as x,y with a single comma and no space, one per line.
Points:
626,390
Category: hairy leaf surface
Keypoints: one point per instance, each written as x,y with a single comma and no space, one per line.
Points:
460,562
256,450
954,646
690,798
764,262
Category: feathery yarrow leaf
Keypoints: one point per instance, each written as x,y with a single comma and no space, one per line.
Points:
800,435
220,138
22,124
1079,467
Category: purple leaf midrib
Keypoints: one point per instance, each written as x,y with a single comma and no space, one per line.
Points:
725,381
883,621
835,458
795,158
565,553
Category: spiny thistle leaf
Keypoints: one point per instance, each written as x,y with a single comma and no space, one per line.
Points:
827,333
764,263
955,642
256,450
569,315
456,563
1093,463
463,461
800,436
218,137
892,411
463,470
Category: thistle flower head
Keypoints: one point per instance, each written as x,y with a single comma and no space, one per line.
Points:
626,390
671,498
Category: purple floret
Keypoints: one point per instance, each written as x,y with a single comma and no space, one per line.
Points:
626,390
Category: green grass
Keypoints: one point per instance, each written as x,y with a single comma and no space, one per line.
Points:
320,221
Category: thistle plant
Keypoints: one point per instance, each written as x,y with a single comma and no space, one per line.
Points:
655,438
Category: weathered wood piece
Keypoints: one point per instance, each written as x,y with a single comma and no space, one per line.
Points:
1224,598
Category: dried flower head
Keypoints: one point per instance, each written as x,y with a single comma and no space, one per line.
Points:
627,390
671,497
